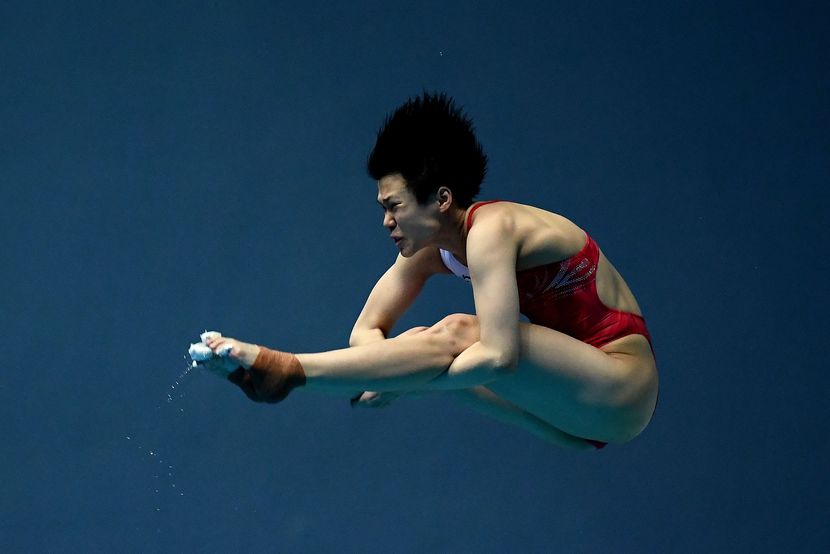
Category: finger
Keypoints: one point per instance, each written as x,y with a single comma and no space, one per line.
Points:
209,335
225,349
369,399
213,342
362,399
373,400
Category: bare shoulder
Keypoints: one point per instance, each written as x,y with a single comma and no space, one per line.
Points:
494,219
493,238
541,236
506,215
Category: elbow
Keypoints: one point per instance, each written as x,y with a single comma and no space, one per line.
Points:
504,363
498,361
365,336
356,339
485,363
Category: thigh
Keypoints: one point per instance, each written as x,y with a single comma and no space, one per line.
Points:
490,404
579,388
572,385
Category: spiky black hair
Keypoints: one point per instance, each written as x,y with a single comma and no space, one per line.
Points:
431,143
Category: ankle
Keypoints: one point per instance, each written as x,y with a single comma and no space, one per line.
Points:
281,372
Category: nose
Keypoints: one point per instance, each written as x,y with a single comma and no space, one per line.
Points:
388,221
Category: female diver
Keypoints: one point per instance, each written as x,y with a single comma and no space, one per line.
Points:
580,374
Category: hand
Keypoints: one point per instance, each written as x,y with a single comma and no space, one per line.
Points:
370,399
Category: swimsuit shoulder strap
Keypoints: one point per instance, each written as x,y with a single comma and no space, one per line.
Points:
476,206
456,267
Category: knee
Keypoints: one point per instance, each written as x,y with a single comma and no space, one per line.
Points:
459,330
458,324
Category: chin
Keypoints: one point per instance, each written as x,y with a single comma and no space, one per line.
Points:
408,252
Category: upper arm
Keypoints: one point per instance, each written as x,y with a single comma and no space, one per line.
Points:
397,289
492,248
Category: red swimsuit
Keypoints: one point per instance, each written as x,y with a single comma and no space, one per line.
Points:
563,296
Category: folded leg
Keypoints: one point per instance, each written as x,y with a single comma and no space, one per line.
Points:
488,403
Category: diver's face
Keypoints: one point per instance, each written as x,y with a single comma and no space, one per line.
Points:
411,225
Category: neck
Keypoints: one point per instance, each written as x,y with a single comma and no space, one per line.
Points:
453,235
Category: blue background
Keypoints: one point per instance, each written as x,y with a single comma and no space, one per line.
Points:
170,167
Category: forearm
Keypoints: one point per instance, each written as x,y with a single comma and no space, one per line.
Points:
477,365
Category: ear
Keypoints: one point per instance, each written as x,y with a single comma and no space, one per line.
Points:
444,198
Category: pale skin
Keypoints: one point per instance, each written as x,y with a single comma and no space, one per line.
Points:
544,381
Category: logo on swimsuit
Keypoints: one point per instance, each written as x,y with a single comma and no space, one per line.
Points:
568,281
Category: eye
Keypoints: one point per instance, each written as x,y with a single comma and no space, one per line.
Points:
391,208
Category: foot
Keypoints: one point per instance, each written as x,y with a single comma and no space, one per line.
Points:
271,376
